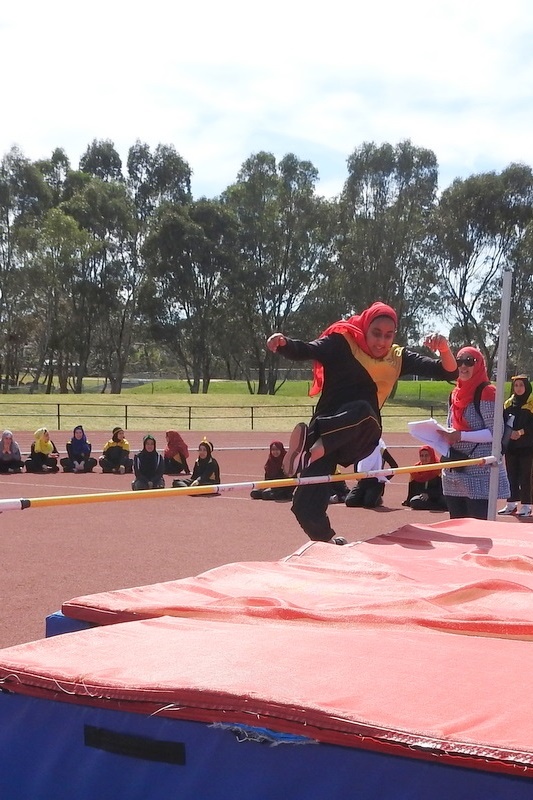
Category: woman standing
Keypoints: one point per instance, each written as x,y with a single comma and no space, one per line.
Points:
518,437
467,489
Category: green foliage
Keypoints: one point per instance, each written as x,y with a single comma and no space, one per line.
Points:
113,267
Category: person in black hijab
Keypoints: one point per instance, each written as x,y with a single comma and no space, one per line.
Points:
206,471
518,446
148,466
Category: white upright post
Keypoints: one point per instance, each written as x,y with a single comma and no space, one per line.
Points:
507,280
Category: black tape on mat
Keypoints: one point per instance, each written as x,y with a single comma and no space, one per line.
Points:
126,744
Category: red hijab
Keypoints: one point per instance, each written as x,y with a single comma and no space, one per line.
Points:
463,394
357,327
426,475
175,445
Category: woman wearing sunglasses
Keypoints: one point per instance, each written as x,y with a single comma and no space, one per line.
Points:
518,442
356,365
470,433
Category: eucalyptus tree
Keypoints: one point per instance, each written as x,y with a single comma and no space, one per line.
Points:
114,211
384,242
520,342
190,251
102,161
285,244
24,199
55,171
54,268
156,178
107,286
480,224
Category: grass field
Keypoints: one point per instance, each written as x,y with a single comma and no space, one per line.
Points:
227,406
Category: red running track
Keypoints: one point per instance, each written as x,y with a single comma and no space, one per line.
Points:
50,555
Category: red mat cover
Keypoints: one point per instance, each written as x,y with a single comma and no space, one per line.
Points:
471,576
410,691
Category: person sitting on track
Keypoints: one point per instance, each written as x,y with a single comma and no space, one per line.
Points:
176,454
356,367
10,458
206,471
44,455
148,466
274,471
339,491
116,454
368,492
78,457
425,488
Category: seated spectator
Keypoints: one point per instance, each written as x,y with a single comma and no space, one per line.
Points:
116,454
148,466
43,456
10,458
368,492
78,457
274,471
206,471
425,488
339,490
176,454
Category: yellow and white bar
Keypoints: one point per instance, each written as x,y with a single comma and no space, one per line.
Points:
106,497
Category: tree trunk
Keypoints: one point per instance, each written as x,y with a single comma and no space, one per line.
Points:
116,384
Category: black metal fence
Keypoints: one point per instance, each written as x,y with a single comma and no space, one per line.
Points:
63,416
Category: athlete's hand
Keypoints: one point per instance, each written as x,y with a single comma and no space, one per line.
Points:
437,343
275,341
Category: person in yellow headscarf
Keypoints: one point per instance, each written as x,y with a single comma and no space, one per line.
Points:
356,367
43,455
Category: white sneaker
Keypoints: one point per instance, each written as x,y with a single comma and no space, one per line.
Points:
338,540
525,511
510,508
121,469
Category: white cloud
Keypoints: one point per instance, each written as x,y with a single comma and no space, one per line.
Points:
216,79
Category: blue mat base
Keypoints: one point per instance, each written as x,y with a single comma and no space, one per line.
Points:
59,751
57,623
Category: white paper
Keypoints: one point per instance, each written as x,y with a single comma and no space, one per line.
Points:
427,431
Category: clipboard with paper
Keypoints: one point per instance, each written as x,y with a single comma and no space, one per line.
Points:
428,431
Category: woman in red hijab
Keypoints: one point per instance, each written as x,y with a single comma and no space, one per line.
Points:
425,486
470,426
356,365
176,454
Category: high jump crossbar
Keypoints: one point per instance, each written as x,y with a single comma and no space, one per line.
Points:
21,504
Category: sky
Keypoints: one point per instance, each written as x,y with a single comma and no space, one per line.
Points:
223,80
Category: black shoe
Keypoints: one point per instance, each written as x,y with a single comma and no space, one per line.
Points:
339,540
